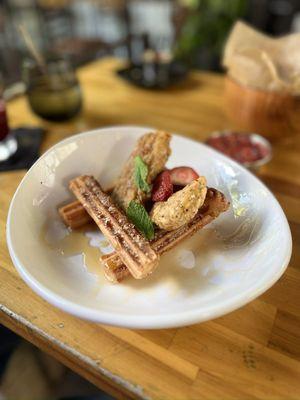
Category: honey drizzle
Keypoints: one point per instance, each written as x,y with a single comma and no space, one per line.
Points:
74,243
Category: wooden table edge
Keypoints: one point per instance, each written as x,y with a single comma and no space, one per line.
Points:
104,379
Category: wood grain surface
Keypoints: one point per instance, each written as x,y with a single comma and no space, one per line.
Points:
251,353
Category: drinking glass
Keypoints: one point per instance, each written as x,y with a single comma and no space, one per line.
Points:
53,92
8,143
4,129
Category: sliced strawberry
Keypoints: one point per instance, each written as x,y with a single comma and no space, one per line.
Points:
162,187
183,175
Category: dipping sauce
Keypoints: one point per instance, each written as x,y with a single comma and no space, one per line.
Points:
248,149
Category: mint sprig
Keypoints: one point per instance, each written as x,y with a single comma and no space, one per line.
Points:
138,215
140,174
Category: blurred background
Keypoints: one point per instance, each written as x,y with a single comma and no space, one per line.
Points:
90,29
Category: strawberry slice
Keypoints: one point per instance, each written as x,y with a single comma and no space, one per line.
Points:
183,175
162,187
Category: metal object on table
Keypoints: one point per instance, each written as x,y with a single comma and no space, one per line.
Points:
134,74
151,65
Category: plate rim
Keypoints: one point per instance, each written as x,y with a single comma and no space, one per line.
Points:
139,321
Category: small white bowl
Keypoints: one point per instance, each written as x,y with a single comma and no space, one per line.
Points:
237,258
255,138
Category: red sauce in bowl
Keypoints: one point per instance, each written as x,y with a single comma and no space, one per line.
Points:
243,147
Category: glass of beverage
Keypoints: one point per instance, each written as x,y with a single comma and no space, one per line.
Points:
54,93
4,129
8,143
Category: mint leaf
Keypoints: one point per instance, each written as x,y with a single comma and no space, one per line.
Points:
140,174
140,218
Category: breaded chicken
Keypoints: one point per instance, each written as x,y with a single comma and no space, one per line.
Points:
154,149
181,207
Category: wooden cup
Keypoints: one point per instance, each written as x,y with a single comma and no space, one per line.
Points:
271,114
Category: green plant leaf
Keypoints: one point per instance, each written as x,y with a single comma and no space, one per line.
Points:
140,174
138,215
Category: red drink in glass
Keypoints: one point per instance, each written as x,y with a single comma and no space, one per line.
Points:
4,129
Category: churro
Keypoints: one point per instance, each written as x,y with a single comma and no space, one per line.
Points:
215,203
133,249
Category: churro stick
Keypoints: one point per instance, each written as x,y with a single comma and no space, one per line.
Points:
133,249
114,270
74,215
215,203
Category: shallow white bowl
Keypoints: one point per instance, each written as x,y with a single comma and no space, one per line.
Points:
239,256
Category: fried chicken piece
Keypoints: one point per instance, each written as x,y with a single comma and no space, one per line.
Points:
154,149
181,207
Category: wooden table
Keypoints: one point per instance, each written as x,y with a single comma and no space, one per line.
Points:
251,353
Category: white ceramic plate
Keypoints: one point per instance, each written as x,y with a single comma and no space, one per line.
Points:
223,267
